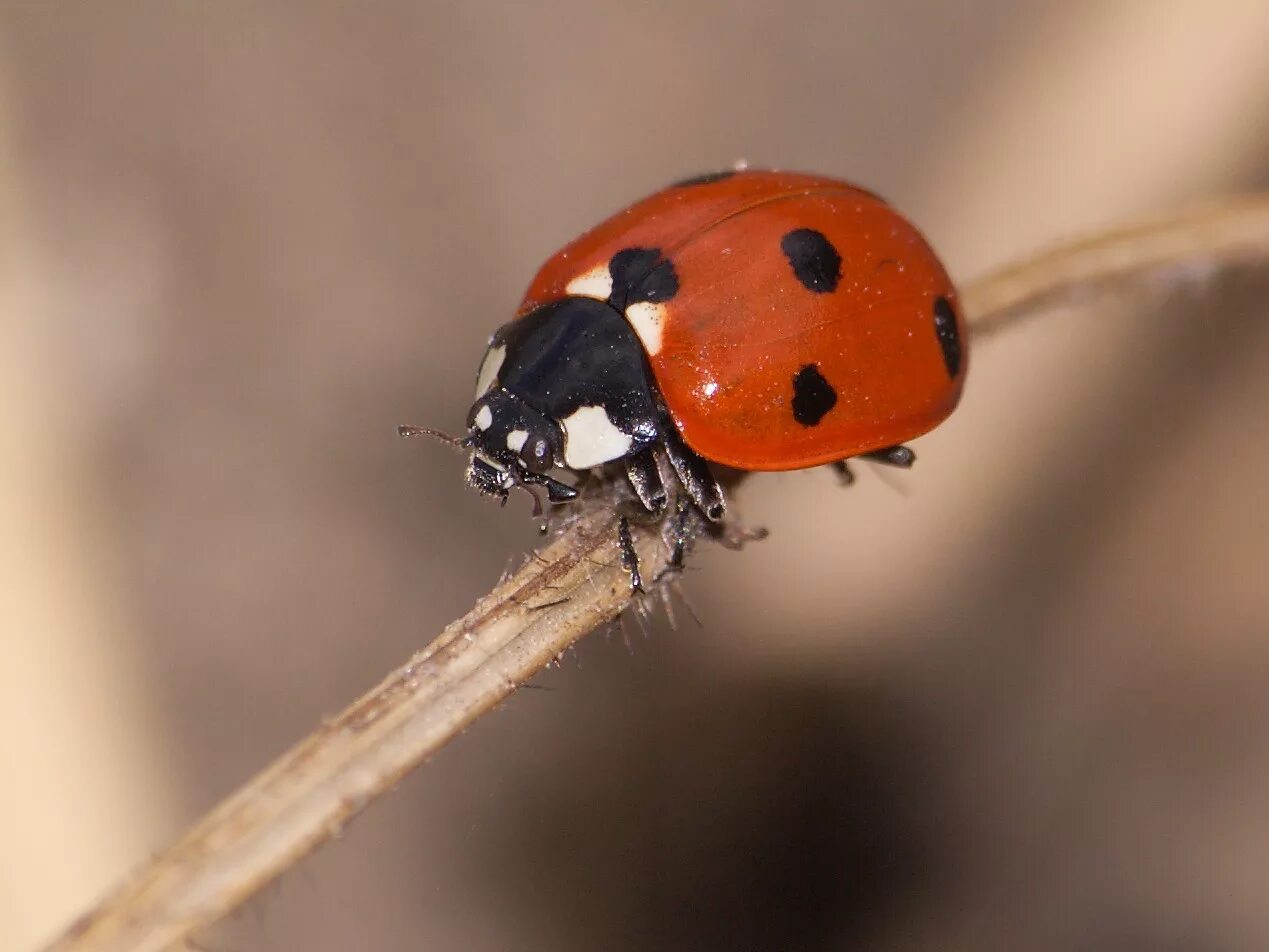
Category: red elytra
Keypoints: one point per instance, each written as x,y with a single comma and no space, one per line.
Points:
811,322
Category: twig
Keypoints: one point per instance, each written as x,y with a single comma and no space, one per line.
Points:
571,587
1197,242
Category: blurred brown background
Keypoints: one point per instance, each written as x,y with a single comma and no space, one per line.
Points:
1020,702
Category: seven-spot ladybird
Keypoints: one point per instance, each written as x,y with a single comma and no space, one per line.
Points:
761,320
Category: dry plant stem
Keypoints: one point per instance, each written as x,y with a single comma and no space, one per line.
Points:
1193,243
571,587
307,796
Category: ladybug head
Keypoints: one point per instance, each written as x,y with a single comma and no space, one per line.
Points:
513,445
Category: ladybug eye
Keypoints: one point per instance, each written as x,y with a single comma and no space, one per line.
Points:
537,453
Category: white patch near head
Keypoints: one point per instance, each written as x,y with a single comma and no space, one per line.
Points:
516,440
648,321
595,283
590,438
489,368
484,418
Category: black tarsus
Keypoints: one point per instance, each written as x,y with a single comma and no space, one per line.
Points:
900,456
844,473
556,491
679,534
629,557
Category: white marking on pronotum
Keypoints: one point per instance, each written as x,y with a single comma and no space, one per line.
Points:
489,368
595,283
516,440
590,438
484,418
648,321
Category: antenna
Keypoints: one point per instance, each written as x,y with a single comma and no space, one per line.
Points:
407,431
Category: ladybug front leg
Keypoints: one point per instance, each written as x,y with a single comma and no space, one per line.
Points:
645,476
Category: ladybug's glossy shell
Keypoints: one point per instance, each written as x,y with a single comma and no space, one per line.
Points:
789,320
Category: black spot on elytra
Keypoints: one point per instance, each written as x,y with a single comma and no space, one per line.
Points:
813,396
706,179
813,258
948,334
641,274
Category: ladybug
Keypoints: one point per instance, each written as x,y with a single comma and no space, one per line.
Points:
760,320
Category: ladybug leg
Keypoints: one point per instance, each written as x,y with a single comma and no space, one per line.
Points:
900,456
645,476
678,533
629,557
695,475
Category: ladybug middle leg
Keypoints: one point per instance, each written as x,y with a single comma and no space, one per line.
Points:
699,489
678,533
900,456
629,557
694,473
